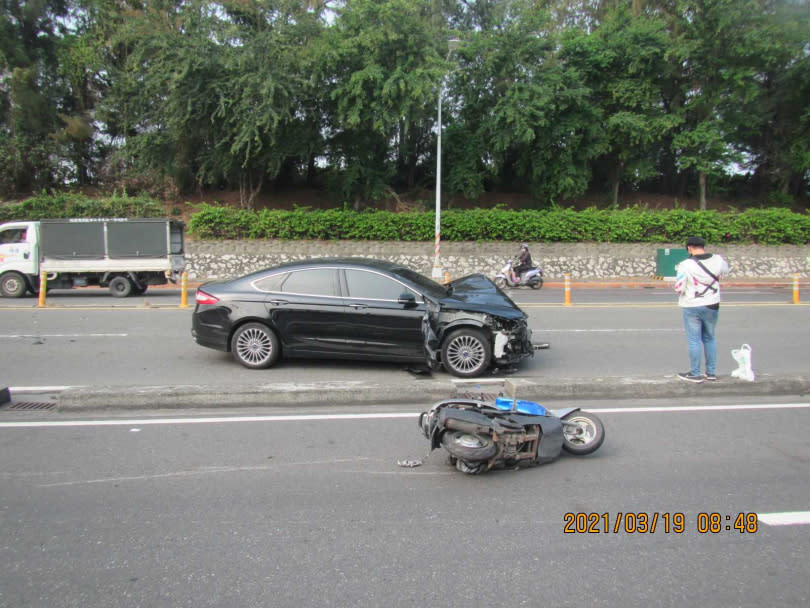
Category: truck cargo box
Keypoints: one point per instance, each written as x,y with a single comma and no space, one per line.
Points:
86,239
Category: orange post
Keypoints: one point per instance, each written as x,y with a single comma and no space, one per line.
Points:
796,288
43,288
567,289
184,290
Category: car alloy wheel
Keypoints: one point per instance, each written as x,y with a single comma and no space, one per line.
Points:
255,346
466,353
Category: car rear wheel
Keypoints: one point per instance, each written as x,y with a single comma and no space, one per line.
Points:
466,353
255,346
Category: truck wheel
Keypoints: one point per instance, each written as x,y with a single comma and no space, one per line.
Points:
120,287
13,285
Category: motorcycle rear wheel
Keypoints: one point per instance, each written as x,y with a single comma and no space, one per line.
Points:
583,433
469,448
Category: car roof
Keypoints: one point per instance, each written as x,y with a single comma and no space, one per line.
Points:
339,261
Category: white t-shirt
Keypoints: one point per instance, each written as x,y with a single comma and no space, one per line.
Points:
696,286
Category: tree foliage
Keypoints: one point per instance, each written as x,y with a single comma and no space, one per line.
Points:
555,99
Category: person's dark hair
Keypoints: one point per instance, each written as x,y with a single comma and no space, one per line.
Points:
695,241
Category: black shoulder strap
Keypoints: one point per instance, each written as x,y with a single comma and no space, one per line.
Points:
707,271
715,279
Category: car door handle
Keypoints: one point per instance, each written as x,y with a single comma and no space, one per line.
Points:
358,306
278,302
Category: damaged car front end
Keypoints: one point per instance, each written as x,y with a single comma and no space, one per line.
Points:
475,308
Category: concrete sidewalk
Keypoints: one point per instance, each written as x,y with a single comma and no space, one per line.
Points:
416,389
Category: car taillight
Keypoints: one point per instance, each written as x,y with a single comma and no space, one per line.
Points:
205,298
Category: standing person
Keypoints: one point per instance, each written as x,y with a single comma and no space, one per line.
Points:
698,283
524,263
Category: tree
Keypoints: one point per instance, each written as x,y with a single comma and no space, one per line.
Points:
29,93
382,70
623,63
524,121
774,125
712,46
214,91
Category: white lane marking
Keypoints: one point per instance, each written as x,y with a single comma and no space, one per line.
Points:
42,389
673,305
206,420
788,518
91,335
699,408
139,422
636,330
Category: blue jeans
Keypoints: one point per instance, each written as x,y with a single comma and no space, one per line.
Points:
700,322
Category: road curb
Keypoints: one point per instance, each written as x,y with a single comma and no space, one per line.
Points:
423,390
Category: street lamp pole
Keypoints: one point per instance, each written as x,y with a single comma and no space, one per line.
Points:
452,44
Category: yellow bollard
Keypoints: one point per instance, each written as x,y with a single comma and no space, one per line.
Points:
567,289
184,290
796,288
43,288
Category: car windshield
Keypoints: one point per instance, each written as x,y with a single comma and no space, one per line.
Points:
430,287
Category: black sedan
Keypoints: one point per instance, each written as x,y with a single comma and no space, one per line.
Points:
352,308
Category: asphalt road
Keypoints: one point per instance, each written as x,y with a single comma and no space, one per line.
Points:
284,511
86,338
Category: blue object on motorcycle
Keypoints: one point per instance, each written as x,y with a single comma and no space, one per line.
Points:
524,407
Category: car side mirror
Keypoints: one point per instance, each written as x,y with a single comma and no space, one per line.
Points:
407,299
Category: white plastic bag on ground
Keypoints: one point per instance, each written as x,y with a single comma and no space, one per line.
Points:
742,356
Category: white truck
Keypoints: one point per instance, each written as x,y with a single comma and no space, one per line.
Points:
124,255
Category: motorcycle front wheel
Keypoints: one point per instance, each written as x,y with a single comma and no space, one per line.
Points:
583,433
500,282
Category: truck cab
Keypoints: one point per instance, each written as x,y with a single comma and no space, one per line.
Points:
19,256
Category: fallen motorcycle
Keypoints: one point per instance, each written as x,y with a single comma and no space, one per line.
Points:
480,435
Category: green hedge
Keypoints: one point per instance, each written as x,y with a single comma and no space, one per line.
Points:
765,226
62,205
773,226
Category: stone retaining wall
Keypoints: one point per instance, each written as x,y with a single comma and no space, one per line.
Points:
223,259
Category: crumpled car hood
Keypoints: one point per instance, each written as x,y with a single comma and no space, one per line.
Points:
476,292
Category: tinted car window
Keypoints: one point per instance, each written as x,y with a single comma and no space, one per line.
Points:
427,285
313,282
373,286
271,283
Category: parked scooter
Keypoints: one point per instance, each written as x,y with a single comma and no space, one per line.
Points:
481,435
530,278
